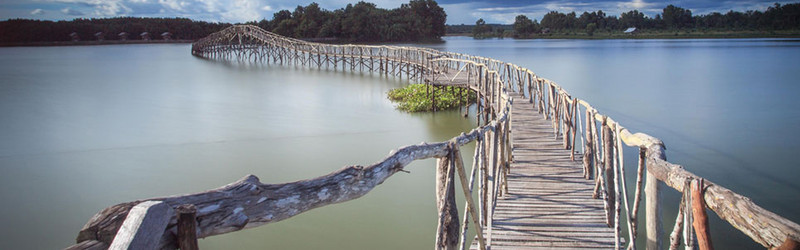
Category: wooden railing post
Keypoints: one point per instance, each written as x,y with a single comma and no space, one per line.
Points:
187,227
652,191
448,227
608,160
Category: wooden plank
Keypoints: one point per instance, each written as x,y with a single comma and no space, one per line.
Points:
144,226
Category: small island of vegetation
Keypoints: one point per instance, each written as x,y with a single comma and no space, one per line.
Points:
417,97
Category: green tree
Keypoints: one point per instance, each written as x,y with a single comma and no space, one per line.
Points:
677,17
632,18
590,28
524,27
481,29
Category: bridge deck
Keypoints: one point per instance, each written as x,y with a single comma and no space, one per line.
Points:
549,203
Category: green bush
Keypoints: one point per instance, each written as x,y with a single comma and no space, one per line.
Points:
415,98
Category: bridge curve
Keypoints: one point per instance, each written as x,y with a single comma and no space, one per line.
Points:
527,154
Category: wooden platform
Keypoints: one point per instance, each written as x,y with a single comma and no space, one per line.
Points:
549,204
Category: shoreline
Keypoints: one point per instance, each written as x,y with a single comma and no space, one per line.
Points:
649,35
90,43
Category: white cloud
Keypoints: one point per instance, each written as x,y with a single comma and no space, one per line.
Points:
101,7
71,12
242,11
174,5
266,8
37,12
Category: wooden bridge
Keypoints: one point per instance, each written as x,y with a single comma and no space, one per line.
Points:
545,174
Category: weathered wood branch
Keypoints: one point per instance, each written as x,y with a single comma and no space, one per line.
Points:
764,227
249,203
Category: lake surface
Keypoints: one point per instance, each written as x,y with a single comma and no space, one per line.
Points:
84,128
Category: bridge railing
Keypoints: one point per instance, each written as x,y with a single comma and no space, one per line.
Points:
602,139
244,204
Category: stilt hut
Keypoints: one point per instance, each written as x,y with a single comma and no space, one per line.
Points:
166,36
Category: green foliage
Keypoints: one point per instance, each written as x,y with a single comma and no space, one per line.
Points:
416,98
677,17
418,20
481,30
777,19
524,27
590,28
23,30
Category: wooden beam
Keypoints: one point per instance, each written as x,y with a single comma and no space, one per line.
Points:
144,226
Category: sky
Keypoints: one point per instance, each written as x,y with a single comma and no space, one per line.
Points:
458,11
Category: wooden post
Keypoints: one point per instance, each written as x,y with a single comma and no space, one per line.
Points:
653,200
447,229
467,188
700,217
187,227
608,160
588,153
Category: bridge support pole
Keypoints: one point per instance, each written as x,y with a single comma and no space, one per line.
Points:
447,231
652,191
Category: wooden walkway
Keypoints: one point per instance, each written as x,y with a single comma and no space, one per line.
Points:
549,204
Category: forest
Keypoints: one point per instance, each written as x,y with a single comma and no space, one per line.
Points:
418,20
672,19
27,31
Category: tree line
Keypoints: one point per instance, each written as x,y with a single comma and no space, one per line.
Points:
418,20
776,17
25,31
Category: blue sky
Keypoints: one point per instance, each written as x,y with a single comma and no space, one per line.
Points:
458,11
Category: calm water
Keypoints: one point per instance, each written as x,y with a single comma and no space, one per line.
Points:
83,128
